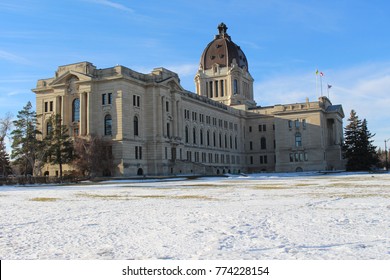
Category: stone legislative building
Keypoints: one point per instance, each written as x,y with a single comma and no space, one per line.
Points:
156,127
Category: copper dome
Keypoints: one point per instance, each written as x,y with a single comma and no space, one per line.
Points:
222,50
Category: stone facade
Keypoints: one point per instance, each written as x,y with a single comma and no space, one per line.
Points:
158,128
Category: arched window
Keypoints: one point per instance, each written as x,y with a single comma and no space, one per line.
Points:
49,128
135,121
107,125
76,110
263,143
186,132
298,140
235,86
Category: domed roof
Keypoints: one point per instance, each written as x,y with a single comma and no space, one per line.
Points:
222,50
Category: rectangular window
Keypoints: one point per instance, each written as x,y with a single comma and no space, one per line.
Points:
109,98
265,159
104,99
250,129
136,100
250,145
291,157
251,159
296,123
290,124
260,127
264,127
167,106
136,152
46,107
304,123
235,87
261,160
51,106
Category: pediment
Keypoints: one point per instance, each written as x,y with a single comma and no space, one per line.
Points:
70,77
174,85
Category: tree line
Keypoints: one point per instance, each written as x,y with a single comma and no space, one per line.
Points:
31,150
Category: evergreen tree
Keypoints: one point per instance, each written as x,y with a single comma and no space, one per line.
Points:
25,143
59,144
5,166
359,150
371,157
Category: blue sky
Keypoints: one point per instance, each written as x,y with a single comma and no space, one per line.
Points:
285,41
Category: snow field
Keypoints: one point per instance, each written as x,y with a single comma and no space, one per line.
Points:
274,216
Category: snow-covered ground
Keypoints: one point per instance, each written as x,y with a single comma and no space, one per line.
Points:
262,216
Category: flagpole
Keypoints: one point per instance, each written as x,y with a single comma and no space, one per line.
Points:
321,83
317,82
328,91
329,87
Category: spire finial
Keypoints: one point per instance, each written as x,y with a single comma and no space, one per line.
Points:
222,28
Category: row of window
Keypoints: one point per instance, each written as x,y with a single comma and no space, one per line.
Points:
209,139
203,157
49,106
215,88
296,157
107,98
297,124
108,125
262,128
188,115
262,159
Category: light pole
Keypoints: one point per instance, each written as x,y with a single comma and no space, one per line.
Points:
387,162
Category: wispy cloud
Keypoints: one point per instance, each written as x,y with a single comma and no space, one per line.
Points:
112,4
184,69
4,55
